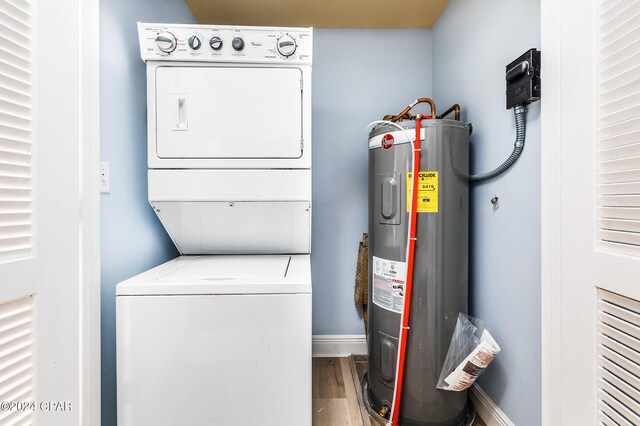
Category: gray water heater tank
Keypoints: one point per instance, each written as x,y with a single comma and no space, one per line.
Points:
440,279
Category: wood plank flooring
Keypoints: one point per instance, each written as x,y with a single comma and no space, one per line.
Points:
335,401
337,393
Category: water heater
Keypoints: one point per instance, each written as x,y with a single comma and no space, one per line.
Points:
440,274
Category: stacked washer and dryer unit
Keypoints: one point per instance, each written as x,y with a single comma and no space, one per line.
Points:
222,334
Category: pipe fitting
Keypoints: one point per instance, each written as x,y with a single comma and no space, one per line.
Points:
454,108
405,112
384,410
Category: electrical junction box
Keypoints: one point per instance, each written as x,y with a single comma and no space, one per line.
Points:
523,79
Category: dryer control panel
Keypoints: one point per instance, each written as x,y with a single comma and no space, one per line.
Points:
219,43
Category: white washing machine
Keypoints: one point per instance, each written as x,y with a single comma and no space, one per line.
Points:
222,334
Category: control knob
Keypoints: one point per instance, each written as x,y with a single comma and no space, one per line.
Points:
215,43
166,42
194,42
238,43
286,45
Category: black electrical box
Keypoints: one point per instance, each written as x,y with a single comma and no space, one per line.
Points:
523,79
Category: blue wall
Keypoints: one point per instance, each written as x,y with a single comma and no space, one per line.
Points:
358,76
473,42
132,238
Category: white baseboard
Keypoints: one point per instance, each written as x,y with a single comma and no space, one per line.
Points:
339,345
487,409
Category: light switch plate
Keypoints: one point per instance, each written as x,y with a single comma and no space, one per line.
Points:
105,184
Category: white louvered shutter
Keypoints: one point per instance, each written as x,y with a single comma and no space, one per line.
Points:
618,359
16,203
618,194
17,361
618,115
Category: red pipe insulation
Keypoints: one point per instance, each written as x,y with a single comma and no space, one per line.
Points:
407,293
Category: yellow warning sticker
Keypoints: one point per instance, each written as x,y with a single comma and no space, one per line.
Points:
427,192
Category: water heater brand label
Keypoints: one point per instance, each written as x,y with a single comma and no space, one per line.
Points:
389,277
387,141
427,192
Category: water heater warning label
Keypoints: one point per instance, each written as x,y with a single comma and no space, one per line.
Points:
427,192
389,277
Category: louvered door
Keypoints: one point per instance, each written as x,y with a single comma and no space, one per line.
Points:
618,359
617,60
17,326
592,343
40,233
618,122
16,121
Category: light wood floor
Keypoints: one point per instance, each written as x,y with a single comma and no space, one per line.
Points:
335,402
337,394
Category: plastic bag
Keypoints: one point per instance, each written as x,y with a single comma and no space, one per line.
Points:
471,350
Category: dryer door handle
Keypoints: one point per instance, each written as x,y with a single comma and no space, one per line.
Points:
180,112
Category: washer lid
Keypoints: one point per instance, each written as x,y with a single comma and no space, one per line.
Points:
220,274
228,268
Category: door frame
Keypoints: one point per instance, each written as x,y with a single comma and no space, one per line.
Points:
553,38
550,205
89,216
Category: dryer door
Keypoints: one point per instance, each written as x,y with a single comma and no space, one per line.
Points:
209,112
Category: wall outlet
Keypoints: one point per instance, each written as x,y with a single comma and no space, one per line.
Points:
105,184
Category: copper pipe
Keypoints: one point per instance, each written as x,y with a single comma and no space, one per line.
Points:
431,104
405,112
455,108
398,117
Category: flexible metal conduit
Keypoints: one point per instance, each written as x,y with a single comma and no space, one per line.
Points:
520,113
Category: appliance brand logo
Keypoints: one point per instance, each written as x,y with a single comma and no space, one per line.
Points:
387,141
254,44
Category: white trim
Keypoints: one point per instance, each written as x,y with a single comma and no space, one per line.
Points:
339,345
488,411
551,208
89,46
